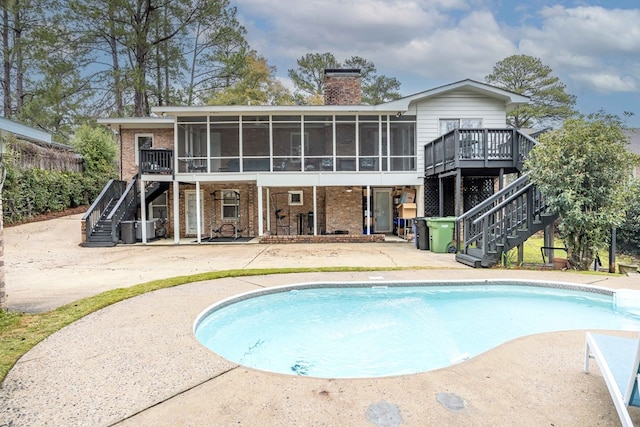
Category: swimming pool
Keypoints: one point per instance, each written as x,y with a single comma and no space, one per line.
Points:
357,330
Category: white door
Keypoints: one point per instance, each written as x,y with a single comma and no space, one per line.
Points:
382,211
190,208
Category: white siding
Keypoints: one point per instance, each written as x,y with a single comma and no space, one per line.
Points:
453,105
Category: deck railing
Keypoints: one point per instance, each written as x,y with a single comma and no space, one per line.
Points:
156,161
477,148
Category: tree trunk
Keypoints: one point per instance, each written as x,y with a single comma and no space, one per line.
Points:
6,87
17,44
117,78
140,87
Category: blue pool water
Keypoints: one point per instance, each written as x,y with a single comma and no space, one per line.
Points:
382,330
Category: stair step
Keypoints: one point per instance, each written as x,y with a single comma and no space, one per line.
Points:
469,260
474,252
92,244
490,260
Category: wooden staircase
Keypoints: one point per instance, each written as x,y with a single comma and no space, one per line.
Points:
98,225
500,223
116,203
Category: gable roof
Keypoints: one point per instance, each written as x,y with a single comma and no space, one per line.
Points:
510,99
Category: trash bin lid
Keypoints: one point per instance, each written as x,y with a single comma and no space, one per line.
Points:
443,219
442,222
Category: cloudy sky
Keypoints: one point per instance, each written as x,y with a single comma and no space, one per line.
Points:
592,45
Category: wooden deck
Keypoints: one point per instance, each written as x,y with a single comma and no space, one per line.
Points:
481,150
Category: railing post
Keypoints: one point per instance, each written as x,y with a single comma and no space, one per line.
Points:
529,208
515,147
485,233
486,147
456,147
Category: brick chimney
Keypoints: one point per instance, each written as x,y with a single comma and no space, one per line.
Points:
342,87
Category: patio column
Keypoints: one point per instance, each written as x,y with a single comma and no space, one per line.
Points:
368,210
268,210
198,218
143,211
176,212
260,215
315,210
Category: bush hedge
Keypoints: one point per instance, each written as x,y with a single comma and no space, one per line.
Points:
628,235
31,192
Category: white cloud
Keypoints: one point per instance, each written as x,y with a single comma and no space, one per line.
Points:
596,47
607,82
432,39
469,48
426,42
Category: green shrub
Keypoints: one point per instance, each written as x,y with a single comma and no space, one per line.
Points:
28,192
628,235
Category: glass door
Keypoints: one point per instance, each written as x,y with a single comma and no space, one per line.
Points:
382,212
191,228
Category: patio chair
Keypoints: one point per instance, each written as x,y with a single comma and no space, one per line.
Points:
619,361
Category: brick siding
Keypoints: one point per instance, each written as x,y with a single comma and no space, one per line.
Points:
326,238
342,87
162,138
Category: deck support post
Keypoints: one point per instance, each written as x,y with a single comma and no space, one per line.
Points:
458,208
440,197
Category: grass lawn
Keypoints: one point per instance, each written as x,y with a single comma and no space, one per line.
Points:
532,253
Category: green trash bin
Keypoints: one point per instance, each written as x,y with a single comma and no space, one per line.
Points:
441,234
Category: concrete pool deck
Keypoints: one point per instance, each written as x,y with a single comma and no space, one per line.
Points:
137,362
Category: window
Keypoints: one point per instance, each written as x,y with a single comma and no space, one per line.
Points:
447,125
158,207
295,198
230,204
142,141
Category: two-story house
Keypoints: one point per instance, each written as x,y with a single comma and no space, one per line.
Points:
310,172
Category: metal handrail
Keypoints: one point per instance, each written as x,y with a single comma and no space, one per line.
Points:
504,214
112,190
123,208
490,201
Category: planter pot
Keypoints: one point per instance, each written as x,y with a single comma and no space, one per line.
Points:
559,263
